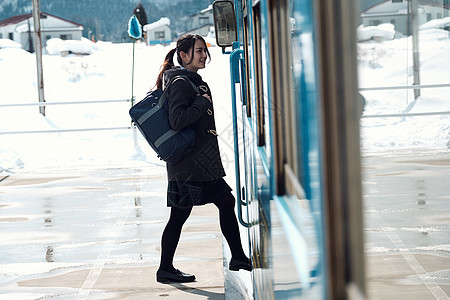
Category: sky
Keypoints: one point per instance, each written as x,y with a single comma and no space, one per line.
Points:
106,74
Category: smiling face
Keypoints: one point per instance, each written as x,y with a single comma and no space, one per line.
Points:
196,59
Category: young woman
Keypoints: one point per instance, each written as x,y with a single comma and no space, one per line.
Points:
198,178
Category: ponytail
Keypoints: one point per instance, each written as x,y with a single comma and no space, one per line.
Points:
167,64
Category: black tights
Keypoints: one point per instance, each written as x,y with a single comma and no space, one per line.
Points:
178,216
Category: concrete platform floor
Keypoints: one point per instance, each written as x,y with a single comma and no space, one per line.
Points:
94,233
407,225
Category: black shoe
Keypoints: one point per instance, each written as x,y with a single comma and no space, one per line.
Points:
178,276
236,265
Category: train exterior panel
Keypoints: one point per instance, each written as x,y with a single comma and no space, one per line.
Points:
290,144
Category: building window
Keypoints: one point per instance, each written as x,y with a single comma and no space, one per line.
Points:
1,35
203,21
374,22
65,36
393,21
47,37
11,36
428,17
439,16
393,1
159,35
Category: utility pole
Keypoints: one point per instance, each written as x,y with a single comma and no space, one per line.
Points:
415,46
38,47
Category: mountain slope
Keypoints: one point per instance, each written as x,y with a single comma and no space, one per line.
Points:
108,20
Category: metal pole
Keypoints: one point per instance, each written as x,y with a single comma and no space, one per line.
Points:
38,47
132,76
415,45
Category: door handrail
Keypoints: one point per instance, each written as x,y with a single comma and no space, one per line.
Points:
235,58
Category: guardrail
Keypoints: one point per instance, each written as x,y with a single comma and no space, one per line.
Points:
65,130
385,88
64,103
433,113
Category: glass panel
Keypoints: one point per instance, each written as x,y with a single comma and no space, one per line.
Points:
247,45
404,146
259,74
310,280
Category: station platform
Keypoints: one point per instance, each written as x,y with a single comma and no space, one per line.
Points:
406,210
94,233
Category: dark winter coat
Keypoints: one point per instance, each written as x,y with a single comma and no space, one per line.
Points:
188,108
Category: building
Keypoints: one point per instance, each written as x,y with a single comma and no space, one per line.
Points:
202,22
397,12
21,29
158,32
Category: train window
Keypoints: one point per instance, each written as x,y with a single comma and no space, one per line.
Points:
259,74
247,65
296,122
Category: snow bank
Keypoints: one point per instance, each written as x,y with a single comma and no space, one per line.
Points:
63,47
7,43
383,31
436,24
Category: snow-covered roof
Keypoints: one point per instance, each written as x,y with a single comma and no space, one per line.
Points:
160,22
20,18
370,5
206,9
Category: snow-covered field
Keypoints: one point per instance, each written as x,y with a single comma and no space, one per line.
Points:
105,74
390,64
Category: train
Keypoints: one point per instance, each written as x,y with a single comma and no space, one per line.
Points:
296,115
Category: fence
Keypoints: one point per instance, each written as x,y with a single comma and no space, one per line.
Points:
404,88
64,103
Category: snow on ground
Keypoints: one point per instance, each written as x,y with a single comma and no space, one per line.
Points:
7,43
106,74
389,64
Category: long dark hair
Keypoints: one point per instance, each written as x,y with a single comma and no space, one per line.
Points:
184,43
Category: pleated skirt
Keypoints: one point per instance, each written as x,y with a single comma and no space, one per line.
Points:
193,193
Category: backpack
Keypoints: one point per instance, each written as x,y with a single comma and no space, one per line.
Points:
151,117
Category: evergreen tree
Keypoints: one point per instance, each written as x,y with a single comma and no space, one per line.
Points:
108,20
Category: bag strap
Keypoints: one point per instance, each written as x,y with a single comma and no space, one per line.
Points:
163,97
186,79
